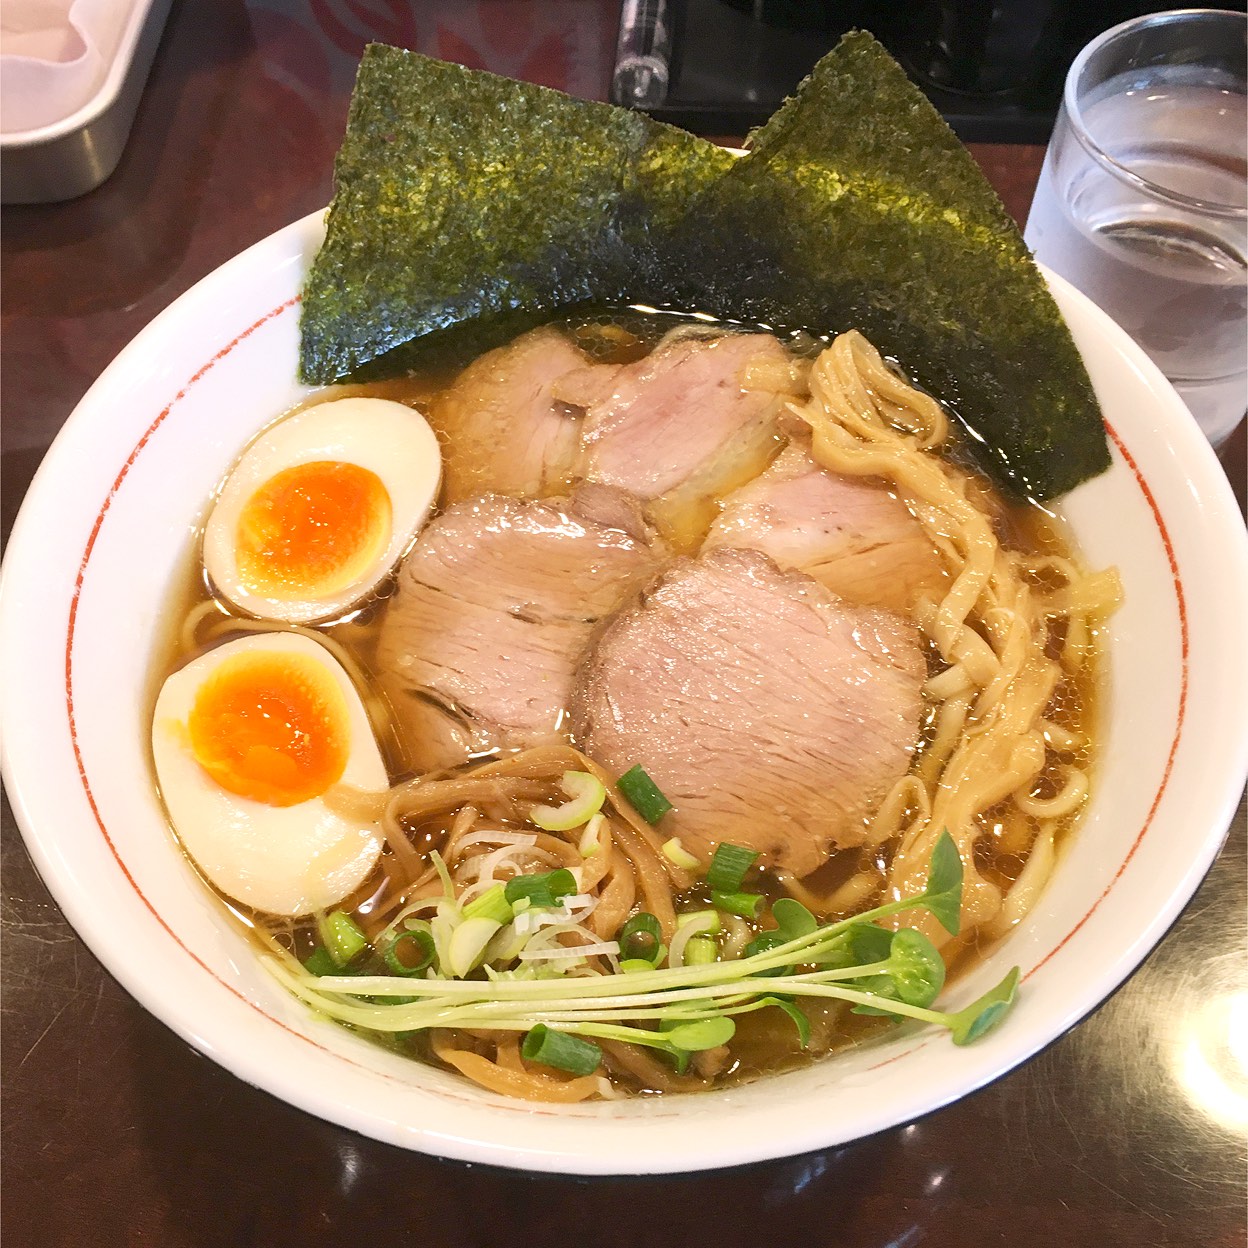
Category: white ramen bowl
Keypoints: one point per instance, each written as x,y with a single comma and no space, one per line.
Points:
108,524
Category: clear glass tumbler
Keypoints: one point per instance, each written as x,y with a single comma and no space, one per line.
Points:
1143,199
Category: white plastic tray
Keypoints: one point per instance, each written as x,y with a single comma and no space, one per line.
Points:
74,155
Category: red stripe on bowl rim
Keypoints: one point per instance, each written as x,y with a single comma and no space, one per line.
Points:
535,1107
1180,715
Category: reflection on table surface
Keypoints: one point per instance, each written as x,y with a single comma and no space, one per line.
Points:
1128,1131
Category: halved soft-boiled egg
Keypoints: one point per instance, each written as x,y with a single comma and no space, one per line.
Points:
320,507
249,741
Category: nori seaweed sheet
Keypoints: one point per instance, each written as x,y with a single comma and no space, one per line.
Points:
464,199
460,195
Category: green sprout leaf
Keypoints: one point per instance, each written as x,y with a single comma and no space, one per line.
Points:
944,871
870,943
943,894
800,1021
792,918
694,1037
545,889
915,975
982,1015
672,1010
765,942
916,968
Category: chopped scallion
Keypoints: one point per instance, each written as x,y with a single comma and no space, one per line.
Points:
467,944
590,843
547,888
764,943
342,936
631,966
745,904
699,950
560,1051
641,937
318,962
679,856
491,904
706,920
687,1006
728,866
646,797
586,794
409,952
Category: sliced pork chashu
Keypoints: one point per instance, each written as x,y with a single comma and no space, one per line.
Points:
772,714
492,611
693,418
850,533
503,426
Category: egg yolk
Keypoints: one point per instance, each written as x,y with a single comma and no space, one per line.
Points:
312,529
271,726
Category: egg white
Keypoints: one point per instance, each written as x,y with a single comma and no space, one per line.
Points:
287,860
390,439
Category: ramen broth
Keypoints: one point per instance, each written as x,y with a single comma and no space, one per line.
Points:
765,1041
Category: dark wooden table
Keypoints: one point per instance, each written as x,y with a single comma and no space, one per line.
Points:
116,1133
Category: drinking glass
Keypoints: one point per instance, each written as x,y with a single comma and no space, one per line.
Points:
1142,199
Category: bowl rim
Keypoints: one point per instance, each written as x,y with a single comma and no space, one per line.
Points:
23,787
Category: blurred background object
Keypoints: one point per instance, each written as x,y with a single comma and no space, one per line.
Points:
71,74
994,69
1143,199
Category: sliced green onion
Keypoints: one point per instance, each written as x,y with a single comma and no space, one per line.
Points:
467,944
641,937
318,962
632,966
561,1051
706,920
546,889
342,936
745,904
646,797
679,856
586,795
700,949
606,1007
448,887
590,844
417,946
491,904
689,928
728,866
